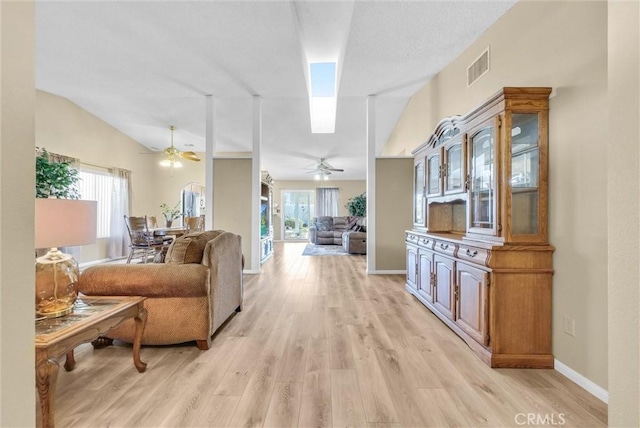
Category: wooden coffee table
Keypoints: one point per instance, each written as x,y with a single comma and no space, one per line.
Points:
56,337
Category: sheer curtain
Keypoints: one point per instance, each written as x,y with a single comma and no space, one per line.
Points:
327,201
120,203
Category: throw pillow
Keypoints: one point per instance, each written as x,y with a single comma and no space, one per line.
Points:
352,222
322,227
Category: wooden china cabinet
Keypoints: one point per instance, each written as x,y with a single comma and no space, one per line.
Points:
478,254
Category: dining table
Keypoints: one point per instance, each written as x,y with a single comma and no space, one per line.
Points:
168,231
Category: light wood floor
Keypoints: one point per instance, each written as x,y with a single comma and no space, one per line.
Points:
319,344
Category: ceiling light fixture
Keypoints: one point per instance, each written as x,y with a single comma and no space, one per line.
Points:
322,97
322,175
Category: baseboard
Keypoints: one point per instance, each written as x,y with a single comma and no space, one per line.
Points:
250,272
589,386
386,272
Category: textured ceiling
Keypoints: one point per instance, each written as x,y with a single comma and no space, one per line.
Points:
142,66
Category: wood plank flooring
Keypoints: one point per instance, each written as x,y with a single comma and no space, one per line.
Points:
318,344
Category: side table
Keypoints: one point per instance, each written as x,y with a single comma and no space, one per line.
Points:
56,337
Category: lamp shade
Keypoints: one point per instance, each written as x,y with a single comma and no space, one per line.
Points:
65,222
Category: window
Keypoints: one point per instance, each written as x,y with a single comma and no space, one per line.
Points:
96,186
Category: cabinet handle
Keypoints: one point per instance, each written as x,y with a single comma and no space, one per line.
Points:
471,253
444,246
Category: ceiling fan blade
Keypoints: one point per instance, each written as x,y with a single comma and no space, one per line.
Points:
189,156
335,169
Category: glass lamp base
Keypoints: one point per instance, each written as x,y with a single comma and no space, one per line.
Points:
56,280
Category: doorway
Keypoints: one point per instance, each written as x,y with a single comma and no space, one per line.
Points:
298,207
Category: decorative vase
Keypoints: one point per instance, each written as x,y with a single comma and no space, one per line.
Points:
169,223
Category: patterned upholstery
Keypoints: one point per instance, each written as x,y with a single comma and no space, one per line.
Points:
188,298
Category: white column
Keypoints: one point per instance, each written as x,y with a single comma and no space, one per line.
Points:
371,184
255,180
17,181
210,114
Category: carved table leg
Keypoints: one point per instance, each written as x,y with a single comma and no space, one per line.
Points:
46,376
70,363
141,322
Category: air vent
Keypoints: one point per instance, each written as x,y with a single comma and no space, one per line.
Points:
479,68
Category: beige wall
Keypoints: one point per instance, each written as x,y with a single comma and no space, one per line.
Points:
623,150
348,189
65,128
17,181
393,211
232,203
562,45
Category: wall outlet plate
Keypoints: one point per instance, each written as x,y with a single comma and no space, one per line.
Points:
569,325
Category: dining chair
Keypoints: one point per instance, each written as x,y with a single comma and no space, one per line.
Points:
143,243
152,222
194,224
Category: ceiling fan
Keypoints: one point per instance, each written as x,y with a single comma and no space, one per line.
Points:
172,154
324,170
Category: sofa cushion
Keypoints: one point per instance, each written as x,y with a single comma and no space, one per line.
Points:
340,223
190,247
324,223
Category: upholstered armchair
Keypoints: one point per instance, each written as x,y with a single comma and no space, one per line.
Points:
189,296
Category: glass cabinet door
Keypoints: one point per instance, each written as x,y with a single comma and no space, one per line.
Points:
482,183
418,194
524,174
434,174
454,167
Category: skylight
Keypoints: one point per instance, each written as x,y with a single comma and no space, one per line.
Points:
322,97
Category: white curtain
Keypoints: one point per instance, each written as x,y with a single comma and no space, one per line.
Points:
327,201
120,203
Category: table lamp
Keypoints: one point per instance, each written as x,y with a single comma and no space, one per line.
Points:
60,223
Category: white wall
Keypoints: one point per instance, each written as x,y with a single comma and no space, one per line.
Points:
623,152
17,183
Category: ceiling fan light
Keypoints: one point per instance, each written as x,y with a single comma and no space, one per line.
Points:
317,177
326,177
177,164
165,162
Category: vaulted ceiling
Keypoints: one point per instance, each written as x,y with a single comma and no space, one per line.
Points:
142,66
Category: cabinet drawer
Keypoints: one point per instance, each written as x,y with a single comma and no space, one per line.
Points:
411,239
473,254
445,247
425,242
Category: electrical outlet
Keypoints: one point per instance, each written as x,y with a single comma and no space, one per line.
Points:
569,325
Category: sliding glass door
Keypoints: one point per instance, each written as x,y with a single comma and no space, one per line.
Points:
298,207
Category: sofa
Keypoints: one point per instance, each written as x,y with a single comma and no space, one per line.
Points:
347,231
189,296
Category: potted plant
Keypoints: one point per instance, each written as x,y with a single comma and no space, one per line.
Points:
55,179
357,205
170,214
